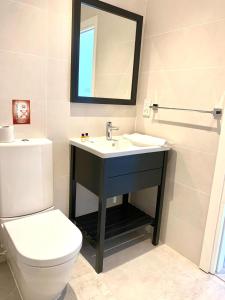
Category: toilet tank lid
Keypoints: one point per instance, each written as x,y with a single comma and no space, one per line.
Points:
44,240
26,142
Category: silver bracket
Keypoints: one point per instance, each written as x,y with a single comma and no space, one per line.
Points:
216,112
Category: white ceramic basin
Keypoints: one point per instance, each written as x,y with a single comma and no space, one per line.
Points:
119,146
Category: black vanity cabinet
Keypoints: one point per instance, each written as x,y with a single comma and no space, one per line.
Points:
108,177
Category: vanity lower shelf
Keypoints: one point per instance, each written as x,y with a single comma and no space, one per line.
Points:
113,176
119,220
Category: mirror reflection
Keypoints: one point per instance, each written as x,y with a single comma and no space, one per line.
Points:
107,47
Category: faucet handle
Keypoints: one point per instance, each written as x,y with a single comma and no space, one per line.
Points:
109,125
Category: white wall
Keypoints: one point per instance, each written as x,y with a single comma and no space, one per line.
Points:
23,35
183,66
35,43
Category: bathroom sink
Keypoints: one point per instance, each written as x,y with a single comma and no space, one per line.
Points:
119,146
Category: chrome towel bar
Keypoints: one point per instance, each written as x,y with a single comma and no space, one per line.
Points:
215,112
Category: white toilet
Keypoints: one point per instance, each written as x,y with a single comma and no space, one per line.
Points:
41,243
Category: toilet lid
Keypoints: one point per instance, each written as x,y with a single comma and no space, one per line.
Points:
44,240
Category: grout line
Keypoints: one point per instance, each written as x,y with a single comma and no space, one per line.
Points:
28,4
183,69
175,181
193,150
46,73
220,277
44,56
21,53
184,28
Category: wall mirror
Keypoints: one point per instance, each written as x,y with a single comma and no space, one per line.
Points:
106,42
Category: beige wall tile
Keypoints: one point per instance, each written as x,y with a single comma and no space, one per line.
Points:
183,66
22,76
194,88
59,6
22,28
144,89
167,15
102,110
135,6
186,202
22,63
61,193
5,111
37,3
87,202
95,126
58,80
61,149
58,120
184,218
192,47
146,200
192,168
59,35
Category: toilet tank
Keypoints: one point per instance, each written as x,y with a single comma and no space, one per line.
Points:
26,177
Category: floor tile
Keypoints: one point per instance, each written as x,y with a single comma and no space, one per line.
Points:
133,270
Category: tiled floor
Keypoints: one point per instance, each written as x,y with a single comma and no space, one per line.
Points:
222,275
8,290
133,271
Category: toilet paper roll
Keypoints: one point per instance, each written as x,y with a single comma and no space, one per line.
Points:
6,134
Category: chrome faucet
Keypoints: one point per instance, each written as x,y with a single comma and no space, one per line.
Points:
109,129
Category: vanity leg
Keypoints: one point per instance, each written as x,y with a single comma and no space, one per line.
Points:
72,195
158,214
125,199
100,234
159,204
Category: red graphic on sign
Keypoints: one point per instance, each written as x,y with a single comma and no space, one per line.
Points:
21,111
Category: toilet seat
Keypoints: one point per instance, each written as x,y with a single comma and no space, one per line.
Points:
44,240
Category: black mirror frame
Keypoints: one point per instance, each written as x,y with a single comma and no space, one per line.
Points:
74,97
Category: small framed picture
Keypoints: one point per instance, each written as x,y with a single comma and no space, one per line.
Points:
21,111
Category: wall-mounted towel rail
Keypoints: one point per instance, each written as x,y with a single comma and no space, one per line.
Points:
215,112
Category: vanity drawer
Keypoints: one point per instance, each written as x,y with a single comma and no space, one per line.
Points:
133,163
132,182
118,175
